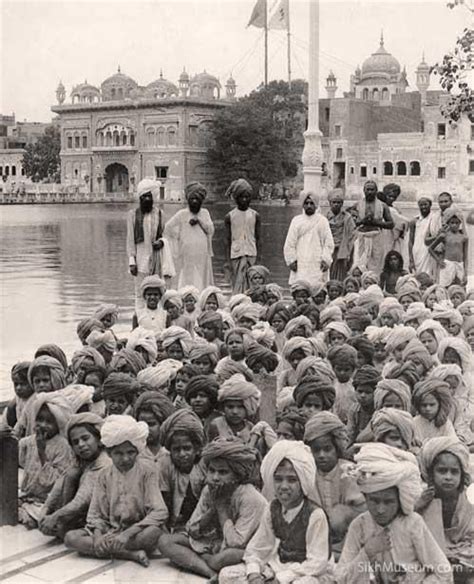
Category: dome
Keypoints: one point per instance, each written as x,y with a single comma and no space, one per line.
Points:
423,66
331,75
161,88
117,86
184,77
230,82
205,78
84,88
85,92
380,63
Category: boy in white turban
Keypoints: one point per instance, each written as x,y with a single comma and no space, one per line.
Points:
389,542
127,511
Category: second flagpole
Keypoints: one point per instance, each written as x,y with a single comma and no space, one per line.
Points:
266,44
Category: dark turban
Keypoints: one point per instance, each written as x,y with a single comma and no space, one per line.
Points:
156,402
210,317
406,372
132,358
202,383
183,421
257,354
240,457
366,375
387,419
53,351
439,390
20,369
358,315
324,423
294,418
83,419
56,371
280,308
119,384
195,188
342,355
239,187
86,326
320,385
362,345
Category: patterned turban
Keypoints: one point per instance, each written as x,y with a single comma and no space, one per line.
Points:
263,334
183,421
86,326
297,343
434,328
152,282
174,298
388,386
237,299
413,292
294,418
311,366
105,340
417,353
161,375
238,388
56,371
362,345
339,327
274,290
258,354
226,368
359,316
86,353
319,385
368,278
280,308
466,308
446,311
202,383
388,419
456,289
175,334
148,185
378,334
298,322
156,402
84,418
195,189
119,429
417,311
251,311
400,335
240,457
461,348
342,355
238,187
202,348
324,423
259,270
300,457
330,314
57,404
210,318
141,337
131,358
438,291
380,467
186,291
301,286
53,351
366,375
117,384
393,308
441,391
107,310
406,372
209,291
433,447
20,369
444,371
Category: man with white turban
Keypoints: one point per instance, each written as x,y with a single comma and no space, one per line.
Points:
389,542
145,245
309,243
127,511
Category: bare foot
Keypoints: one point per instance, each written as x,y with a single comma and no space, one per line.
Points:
141,558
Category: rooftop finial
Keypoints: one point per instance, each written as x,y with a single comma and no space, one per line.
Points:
381,38
161,73
118,69
423,57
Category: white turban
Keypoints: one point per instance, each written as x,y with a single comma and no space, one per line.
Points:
338,327
380,467
237,299
263,333
302,460
148,185
378,334
238,388
119,429
141,337
159,376
98,339
186,291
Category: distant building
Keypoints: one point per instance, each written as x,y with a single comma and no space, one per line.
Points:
115,135
381,131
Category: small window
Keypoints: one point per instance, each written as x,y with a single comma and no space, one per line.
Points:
13,170
324,170
77,141
441,131
337,131
7,170
22,172
1,170
132,139
161,171
352,170
422,126
374,170
363,170
326,113
401,168
388,168
365,94
76,172
471,167
84,141
415,168
338,152
69,141
441,172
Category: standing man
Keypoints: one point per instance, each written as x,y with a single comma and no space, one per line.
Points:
190,231
421,260
396,238
309,245
342,228
147,252
374,216
242,226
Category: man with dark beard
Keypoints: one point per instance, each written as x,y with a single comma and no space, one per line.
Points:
144,236
191,230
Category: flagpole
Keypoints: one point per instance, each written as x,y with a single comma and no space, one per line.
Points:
265,21
289,46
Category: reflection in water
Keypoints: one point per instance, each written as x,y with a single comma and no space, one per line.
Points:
58,262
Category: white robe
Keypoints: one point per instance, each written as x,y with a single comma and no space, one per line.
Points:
309,241
424,262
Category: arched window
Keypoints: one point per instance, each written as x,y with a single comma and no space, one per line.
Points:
401,168
150,137
123,138
84,141
388,168
13,170
116,138
77,141
385,94
161,137
365,94
112,92
171,137
132,139
120,92
375,94
7,170
69,142
101,139
108,138
415,169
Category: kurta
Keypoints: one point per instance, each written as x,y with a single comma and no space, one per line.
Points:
424,262
246,507
424,429
309,241
152,320
140,254
192,247
342,228
345,400
121,500
413,547
369,248
243,250
336,487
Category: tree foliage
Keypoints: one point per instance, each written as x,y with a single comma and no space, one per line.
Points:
41,160
454,73
260,136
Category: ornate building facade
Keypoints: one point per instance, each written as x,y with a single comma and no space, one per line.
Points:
115,135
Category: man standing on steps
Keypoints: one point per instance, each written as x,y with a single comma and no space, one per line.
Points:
421,260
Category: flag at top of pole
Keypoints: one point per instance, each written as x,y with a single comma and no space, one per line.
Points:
259,16
279,15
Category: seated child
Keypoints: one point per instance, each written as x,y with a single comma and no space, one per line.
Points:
290,424
94,376
278,315
392,393
247,314
294,351
23,393
335,289
343,359
260,359
153,407
291,544
299,326
83,359
86,326
433,401
143,341
127,512
104,343
173,304
183,375
210,326
46,374
201,395
127,361
336,333
204,357
365,349
365,381
68,502
211,298
274,293
153,315
190,296
393,427
119,391
239,401
176,342
444,506
390,542
44,456
338,493
181,473
301,293
227,514
314,393
358,319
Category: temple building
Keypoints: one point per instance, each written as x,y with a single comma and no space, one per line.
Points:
382,131
114,135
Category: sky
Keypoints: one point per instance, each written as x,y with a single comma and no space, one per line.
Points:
43,42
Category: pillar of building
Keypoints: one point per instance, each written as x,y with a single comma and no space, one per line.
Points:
312,151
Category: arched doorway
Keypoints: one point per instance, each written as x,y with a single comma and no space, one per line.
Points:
116,178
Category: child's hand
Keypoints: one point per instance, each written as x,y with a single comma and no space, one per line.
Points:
425,499
117,543
376,544
101,545
47,524
255,579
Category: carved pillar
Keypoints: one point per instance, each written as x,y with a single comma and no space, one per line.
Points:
312,152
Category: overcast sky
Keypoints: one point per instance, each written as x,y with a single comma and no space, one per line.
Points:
73,40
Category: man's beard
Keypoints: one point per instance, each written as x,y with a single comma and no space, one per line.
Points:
146,206
223,490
